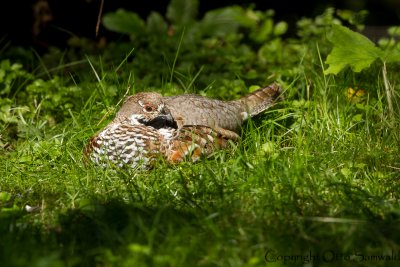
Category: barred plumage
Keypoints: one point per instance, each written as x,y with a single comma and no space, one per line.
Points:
140,145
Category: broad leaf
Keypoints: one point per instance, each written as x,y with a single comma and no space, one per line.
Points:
181,12
350,49
223,21
156,24
123,21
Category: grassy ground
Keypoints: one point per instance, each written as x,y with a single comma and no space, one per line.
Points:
307,178
314,181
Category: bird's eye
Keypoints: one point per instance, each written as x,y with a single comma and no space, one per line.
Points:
148,108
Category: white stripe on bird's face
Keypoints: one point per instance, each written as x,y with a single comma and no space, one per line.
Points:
135,119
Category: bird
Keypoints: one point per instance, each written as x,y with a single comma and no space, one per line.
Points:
143,130
150,126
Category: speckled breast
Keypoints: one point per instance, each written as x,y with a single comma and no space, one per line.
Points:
125,145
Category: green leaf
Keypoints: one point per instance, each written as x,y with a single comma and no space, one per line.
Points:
5,196
346,172
223,21
350,49
357,118
181,12
392,56
123,21
263,32
156,24
394,31
2,75
280,28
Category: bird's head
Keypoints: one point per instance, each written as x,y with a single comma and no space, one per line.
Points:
146,108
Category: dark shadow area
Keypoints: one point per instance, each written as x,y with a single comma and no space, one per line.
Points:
99,234
41,23
87,233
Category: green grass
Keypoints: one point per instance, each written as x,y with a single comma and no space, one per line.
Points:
314,179
305,178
